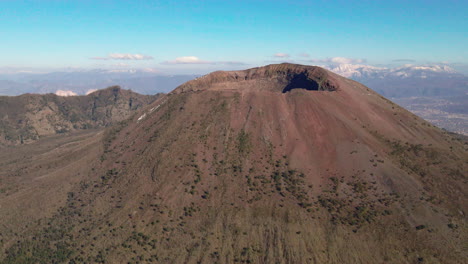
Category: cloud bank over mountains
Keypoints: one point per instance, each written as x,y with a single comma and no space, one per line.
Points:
392,80
355,67
358,70
65,93
338,60
408,80
346,66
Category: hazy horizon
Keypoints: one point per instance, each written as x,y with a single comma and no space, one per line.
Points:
187,37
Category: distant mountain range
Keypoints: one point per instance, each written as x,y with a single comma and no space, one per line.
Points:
366,71
407,81
82,82
437,93
400,82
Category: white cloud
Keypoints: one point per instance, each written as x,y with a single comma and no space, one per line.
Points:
281,55
124,56
65,93
304,55
91,91
196,60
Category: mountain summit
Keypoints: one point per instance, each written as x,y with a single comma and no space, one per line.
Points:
279,77
278,164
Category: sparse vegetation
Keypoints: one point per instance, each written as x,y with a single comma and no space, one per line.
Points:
244,144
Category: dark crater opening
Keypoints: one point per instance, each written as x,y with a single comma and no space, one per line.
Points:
300,81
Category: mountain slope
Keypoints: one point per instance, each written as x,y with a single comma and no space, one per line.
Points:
27,117
279,164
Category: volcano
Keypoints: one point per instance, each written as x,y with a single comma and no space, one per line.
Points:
279,164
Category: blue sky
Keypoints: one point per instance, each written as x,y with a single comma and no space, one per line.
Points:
193,36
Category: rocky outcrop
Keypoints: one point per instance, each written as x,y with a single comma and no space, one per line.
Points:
27,117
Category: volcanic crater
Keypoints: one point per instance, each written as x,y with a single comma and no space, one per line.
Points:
277,77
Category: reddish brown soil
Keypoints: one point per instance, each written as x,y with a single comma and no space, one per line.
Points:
234,167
